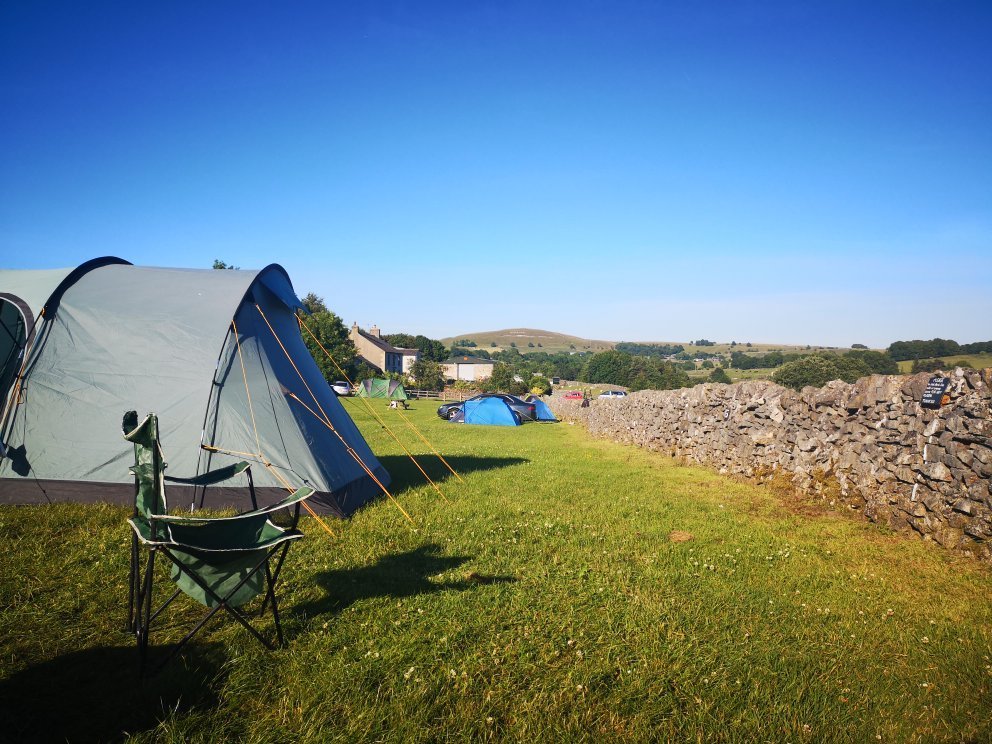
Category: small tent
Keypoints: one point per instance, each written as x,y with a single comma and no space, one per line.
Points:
380,388
541,409
216,354
488,411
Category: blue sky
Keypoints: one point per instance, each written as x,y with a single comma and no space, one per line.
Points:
765,171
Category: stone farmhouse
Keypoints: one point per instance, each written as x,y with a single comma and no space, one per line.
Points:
379,354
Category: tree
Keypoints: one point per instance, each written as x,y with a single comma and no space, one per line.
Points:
218,264
858,346
812,370
312,303
427,375
539,385
333,336
707,364
501,379
878,362
611,367
719,375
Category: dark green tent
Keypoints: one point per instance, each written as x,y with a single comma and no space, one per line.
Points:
379,388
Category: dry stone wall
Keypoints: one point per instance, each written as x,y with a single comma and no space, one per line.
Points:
868,447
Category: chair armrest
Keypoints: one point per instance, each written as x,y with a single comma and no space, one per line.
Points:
214,476
299,495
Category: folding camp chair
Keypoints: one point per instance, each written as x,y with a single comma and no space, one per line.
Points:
221,562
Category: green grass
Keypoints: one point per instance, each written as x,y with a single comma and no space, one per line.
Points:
978,361
544,603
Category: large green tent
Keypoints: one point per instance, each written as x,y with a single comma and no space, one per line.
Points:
380,388
216,354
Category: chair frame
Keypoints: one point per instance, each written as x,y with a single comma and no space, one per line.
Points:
140,613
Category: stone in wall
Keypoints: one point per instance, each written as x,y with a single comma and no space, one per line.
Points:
867,447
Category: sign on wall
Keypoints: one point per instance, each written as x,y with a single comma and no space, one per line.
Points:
933,395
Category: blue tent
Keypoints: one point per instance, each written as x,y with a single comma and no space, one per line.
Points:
541,409
491,411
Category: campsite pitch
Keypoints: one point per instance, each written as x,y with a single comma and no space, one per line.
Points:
548,601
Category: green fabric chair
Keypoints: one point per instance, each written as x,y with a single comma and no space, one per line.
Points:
221,562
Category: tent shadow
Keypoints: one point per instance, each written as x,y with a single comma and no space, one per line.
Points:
406,475
96,695
397,575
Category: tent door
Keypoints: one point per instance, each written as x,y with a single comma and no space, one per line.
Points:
13,338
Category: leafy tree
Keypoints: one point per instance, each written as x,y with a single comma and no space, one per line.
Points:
878,362
662,350
530,344
612,367
427,375
400,340
502,378
812,370
704,342
540,385
719,375
218,264
312,303
513,344
858,346
707,364
429,348
492,344
333,336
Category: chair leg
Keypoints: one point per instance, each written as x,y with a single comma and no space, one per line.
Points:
275,578
271,594
133,589
145,613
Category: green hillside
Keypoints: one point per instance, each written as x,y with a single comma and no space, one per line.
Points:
549,340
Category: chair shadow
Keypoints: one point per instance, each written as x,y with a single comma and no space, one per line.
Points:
396,575
96,694
405,474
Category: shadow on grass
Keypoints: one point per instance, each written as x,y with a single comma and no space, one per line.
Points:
397,575
406,475
95,694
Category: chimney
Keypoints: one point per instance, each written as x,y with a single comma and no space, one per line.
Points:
374,331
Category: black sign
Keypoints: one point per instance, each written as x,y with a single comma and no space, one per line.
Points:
934,393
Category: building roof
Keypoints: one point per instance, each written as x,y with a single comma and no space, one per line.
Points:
469,360
375,340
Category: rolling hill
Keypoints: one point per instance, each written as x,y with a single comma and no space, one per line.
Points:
552,342
523,338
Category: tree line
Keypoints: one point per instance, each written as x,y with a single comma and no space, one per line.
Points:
934,348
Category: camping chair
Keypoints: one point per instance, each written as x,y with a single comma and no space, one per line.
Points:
221,562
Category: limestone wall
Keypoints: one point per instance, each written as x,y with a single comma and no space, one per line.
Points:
867,447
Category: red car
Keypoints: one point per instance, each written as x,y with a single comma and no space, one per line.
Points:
573,395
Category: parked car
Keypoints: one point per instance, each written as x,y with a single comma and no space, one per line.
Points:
573,395
526,411
341,388
609,394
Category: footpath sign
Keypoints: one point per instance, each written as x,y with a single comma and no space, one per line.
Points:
933,395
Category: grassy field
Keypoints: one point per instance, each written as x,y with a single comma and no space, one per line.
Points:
978,361
550,341
546,602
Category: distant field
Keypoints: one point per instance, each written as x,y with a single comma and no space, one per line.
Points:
549,599
552,342
978,361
